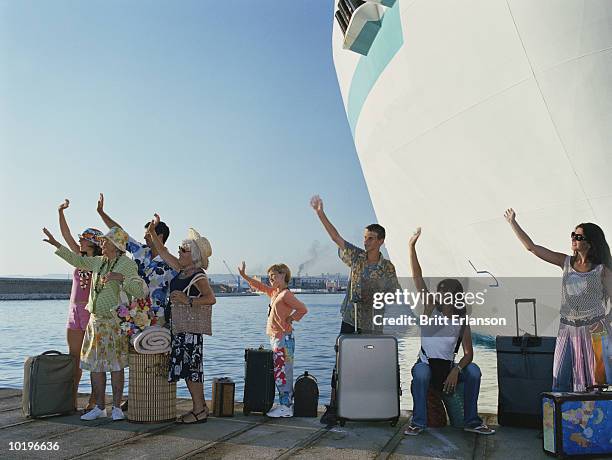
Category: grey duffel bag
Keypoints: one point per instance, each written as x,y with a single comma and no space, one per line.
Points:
48,384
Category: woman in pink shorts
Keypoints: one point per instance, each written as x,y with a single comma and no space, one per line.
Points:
78,317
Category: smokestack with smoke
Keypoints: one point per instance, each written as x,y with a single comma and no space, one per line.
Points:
313,253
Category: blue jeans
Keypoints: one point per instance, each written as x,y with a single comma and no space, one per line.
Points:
470,376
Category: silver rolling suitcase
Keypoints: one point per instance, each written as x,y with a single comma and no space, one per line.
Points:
367,379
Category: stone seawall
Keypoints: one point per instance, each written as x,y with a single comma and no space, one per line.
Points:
34,289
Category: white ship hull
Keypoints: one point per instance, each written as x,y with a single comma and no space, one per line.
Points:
462,109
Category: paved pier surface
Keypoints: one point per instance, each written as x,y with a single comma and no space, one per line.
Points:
251,437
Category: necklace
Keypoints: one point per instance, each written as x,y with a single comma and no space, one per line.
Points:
84,278
99,285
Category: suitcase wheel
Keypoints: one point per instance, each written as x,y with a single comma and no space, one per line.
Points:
394,422
341,421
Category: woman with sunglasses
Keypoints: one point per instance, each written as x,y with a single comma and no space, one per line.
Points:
88,245
189,287
586,289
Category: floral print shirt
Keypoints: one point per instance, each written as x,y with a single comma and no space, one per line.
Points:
155,272
365,279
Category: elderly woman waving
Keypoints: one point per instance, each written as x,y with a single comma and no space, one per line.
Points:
191,298
104,348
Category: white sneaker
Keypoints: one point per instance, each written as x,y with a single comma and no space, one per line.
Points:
93,414
281,411
117,413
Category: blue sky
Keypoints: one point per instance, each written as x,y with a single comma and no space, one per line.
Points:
225,116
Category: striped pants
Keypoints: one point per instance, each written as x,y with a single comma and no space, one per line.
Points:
582,358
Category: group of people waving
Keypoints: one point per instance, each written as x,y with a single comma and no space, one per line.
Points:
102,270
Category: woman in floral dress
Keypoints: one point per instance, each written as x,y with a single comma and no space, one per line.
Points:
189,287
105,349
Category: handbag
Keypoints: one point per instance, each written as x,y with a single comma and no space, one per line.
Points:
191,318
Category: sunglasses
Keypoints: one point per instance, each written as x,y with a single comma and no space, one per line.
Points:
577,237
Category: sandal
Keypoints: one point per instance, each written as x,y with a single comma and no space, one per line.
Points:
413,430
196,417
480,429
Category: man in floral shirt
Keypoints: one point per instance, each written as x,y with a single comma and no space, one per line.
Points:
151,267
370,273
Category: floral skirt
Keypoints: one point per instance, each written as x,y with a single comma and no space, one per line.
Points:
104,348
186,357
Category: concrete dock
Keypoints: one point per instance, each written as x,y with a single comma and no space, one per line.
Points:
252,437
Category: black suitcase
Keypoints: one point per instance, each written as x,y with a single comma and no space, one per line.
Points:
577,424
524,372
259,386
305,396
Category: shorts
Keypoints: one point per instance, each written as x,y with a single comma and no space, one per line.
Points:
78,317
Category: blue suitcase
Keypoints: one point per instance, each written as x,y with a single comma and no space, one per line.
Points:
577,424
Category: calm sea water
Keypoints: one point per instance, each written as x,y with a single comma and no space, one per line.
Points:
32,327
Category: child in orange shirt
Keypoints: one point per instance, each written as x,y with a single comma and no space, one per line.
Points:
283,310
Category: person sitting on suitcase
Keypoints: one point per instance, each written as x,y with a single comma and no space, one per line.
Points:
370,273
436,362
284,309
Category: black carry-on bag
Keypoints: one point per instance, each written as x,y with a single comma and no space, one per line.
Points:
305,396
524,372
259,386
48,384
367,379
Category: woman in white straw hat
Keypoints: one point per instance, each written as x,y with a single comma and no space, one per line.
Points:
105,349
190,287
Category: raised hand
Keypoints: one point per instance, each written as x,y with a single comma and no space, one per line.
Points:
151,228
64,205
510,215
50,238
100,207
415,236
316,203
156,220
242,269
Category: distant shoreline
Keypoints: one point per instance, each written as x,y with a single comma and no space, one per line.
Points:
59,289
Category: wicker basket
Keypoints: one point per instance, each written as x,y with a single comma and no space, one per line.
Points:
152,399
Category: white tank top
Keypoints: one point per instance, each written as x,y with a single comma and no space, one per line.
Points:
439,341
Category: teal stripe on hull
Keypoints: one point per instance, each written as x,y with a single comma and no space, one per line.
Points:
388,42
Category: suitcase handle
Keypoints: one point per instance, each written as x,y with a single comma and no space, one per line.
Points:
52,352
535,321
306,375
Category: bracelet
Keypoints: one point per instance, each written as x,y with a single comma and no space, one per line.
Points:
459,367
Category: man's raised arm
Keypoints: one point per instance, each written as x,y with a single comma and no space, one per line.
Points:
317,204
